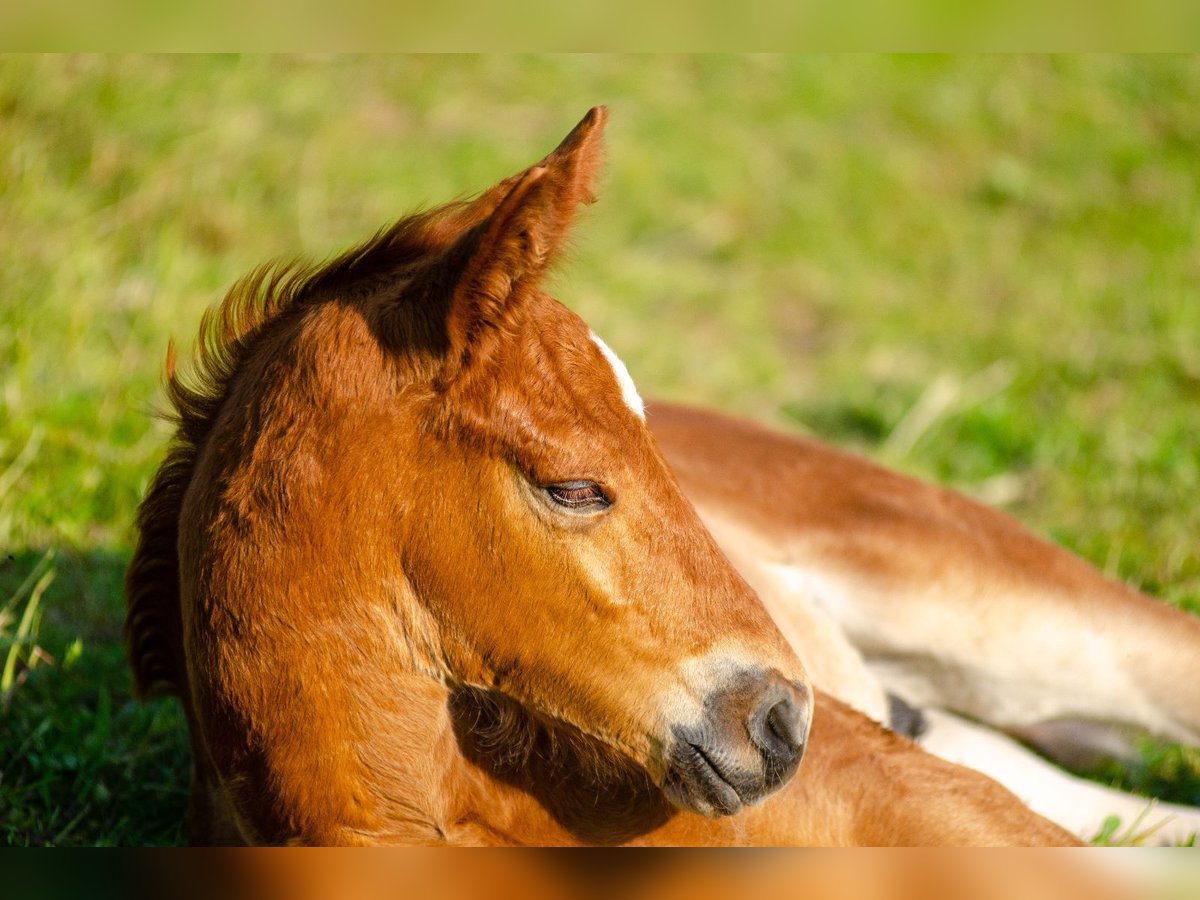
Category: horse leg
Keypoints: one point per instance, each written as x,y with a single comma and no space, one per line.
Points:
794,599
1078,805
1019,641
860,784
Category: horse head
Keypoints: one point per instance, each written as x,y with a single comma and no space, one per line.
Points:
418,428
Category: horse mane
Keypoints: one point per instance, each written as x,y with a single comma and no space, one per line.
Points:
229,332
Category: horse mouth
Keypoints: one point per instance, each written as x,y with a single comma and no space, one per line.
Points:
748,743
695,781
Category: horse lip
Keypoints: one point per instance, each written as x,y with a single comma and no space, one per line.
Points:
711,772
696,782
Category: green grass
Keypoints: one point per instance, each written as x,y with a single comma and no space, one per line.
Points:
981,270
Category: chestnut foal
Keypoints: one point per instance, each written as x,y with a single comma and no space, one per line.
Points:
418,573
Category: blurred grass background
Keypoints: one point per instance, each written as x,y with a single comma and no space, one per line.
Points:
981,270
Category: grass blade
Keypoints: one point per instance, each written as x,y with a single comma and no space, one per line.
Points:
25,631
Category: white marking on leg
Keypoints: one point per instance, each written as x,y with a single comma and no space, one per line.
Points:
629,392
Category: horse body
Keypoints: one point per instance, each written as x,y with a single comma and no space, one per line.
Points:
887,586
419,573
913,572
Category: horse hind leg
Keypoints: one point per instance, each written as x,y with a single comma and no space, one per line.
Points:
1018,639
1082,807
1081,745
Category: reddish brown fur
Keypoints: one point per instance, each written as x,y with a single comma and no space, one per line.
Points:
355,443
919,553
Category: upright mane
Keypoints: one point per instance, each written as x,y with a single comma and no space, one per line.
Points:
229,332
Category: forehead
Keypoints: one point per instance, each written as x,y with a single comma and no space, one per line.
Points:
561,396
581,368
629,391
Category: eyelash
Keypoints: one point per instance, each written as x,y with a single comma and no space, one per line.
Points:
578,495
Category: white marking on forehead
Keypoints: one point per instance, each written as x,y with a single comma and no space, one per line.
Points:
629,391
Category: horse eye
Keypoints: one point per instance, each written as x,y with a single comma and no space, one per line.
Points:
579,495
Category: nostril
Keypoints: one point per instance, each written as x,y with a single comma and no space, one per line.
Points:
778,728
785,723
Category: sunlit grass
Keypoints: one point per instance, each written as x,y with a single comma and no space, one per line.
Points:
982,271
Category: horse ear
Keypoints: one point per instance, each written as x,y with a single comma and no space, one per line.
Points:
496,264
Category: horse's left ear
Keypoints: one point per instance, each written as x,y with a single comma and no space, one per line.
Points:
498,263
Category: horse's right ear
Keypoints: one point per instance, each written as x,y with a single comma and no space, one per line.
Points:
496,266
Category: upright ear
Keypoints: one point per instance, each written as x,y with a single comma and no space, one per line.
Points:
494,267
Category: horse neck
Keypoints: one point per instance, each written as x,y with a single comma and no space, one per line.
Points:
501,778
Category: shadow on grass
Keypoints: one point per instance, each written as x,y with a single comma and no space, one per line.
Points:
82,762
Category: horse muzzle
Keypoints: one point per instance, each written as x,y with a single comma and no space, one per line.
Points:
748,743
